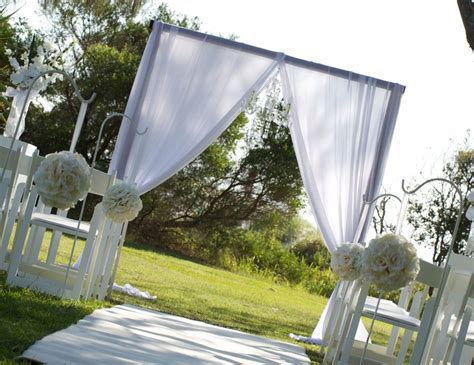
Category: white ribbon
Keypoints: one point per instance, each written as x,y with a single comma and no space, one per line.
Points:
19,99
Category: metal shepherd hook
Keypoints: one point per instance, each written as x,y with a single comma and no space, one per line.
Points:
99,139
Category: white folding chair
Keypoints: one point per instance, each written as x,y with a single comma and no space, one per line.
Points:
431,276
27,270
454,325
349,350
398,310
14,188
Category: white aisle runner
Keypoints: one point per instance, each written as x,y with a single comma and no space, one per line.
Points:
126,334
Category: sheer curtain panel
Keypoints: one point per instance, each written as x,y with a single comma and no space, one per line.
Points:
190,86
341,127
187,91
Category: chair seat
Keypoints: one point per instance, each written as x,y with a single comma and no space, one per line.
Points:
57,222
389,312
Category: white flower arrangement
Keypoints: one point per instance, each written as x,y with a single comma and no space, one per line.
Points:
32,63
390,262
346,261
62,179
121,203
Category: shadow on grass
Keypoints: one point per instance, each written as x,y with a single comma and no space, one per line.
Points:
27,316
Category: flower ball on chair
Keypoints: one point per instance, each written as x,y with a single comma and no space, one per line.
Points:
62,179
390,262
121,203
346,261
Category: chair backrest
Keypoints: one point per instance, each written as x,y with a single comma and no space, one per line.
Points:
6,142
100,182
22,162
463,264
429,274
12,160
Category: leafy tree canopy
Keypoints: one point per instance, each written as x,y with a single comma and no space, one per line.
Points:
249,172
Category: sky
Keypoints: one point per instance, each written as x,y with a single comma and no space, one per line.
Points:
418,44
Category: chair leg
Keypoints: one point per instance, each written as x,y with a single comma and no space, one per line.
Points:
35,239
97,259
10,217
407,335
3,202
403,303
335,318
116,261
86,265
466,319
419,348
19,241
111,253
54,243
348,337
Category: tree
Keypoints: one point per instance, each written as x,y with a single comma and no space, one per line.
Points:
433,216
467,11
248,172
7,41
379,219
220,189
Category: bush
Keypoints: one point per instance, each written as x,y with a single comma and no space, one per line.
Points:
314,252
321,282
256,251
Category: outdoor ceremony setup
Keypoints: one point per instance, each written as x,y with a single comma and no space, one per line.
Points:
188,89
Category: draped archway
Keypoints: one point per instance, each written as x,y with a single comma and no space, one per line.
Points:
190,86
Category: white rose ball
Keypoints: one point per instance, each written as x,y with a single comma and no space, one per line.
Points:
346,261
122,203
390,262
63,179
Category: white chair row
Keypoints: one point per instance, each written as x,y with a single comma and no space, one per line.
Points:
354,303
17,166
20,203
452,340
92,276
90,279
344,349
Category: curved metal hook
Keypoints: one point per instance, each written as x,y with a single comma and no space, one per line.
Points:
444,276
110,116
76,91
461,206
429,181
380,196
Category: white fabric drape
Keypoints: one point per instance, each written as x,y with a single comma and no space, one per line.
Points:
187,92
341,130
19,99
190,86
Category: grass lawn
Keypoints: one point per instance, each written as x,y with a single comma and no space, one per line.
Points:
248,303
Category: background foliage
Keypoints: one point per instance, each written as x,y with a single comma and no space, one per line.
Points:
236,205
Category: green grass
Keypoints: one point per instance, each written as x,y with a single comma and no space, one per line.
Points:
26,316
244,302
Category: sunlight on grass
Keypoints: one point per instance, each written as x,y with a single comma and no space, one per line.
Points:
249,303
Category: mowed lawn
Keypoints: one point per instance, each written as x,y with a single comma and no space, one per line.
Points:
249,303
